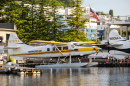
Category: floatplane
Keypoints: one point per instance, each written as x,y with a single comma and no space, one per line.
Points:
119,47
49,49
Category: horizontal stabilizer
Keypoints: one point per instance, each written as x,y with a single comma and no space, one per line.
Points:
11,47
17,57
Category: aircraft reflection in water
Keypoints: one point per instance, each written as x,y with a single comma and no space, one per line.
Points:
71,77
18,50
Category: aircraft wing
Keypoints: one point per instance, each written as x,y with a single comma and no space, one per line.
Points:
119,56
112,45
50,42
86,43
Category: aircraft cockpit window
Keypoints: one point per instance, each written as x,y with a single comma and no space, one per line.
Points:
65,48
75,44
48,49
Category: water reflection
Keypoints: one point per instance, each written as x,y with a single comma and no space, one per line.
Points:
93,76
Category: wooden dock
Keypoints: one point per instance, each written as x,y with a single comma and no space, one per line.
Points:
25,70
19,70
104,62
110,64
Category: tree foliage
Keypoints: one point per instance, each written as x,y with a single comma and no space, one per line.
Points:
56,24
74,35
43,23
124,33
111,12
65,3
102,13
36,27
76,23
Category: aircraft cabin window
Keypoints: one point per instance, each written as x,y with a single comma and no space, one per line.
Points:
59,48
48,49
65,48
53,48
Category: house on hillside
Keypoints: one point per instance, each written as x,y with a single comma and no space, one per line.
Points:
6,29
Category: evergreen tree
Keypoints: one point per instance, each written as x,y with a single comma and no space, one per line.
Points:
36,25
65,3
74,35
27,27
77,21
55,24
43,21
111,12
124,33
3,3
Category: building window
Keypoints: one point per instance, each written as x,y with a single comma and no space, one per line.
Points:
7,36
92,35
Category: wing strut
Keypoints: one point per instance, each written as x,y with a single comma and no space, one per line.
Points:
58,49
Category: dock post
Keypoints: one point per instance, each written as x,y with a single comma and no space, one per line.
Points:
32,70
70,59
26,70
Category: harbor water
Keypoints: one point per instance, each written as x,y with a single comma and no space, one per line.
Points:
93,76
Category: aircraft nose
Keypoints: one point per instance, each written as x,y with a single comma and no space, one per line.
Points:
96,49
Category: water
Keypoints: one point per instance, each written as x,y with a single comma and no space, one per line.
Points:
94,76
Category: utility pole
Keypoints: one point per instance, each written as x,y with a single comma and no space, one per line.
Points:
89,23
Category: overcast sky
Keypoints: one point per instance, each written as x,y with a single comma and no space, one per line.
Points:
119,7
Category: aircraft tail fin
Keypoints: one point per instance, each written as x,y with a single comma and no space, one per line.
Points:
15,42
114,38
16,46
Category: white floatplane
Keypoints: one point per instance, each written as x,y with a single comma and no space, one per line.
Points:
119,47
49,49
